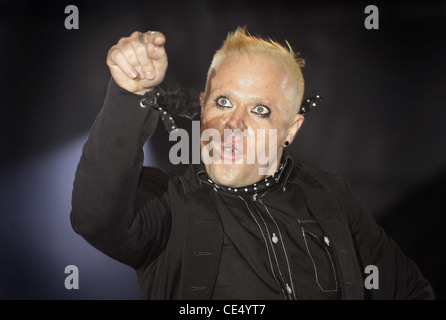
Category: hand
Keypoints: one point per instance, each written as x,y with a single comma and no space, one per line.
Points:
138,63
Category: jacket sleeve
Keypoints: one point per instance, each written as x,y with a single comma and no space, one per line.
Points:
117,205
399,277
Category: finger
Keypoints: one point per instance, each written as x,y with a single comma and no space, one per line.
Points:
130,54
155,44
156,52
155,37
117,59
159,39
145,61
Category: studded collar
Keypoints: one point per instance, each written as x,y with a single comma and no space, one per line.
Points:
279,177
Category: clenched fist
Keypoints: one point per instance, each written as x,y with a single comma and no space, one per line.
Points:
138,63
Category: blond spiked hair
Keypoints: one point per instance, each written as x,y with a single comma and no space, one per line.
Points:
240,41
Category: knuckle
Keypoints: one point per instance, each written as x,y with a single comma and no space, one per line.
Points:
131,56
122,41
147,67
128,52
140,48
113,52
110,51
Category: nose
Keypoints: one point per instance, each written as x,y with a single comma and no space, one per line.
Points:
237,119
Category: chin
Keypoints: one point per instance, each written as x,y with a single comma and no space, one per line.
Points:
233,175
228,175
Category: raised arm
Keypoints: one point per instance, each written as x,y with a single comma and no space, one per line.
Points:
111,209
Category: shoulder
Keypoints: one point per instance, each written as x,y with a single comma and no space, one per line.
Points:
329,182
318,179
333,185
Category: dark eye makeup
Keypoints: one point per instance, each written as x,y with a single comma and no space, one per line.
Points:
261,110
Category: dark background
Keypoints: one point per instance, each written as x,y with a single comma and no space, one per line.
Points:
381,123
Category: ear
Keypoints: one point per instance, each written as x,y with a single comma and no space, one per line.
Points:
294,127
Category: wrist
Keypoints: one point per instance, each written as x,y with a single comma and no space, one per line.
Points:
143,91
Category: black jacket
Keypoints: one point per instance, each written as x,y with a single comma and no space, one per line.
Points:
156,223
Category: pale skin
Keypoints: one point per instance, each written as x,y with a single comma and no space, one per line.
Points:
240,95
136,67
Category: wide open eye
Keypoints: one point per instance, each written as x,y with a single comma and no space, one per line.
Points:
261,110
223,102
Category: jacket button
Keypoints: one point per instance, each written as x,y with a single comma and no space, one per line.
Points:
327,241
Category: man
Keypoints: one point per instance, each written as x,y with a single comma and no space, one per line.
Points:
233,226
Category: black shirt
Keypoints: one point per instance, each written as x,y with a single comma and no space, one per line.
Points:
271,251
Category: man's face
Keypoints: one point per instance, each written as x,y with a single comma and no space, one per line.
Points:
249,101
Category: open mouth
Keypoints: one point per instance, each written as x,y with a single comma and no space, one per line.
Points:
231,152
